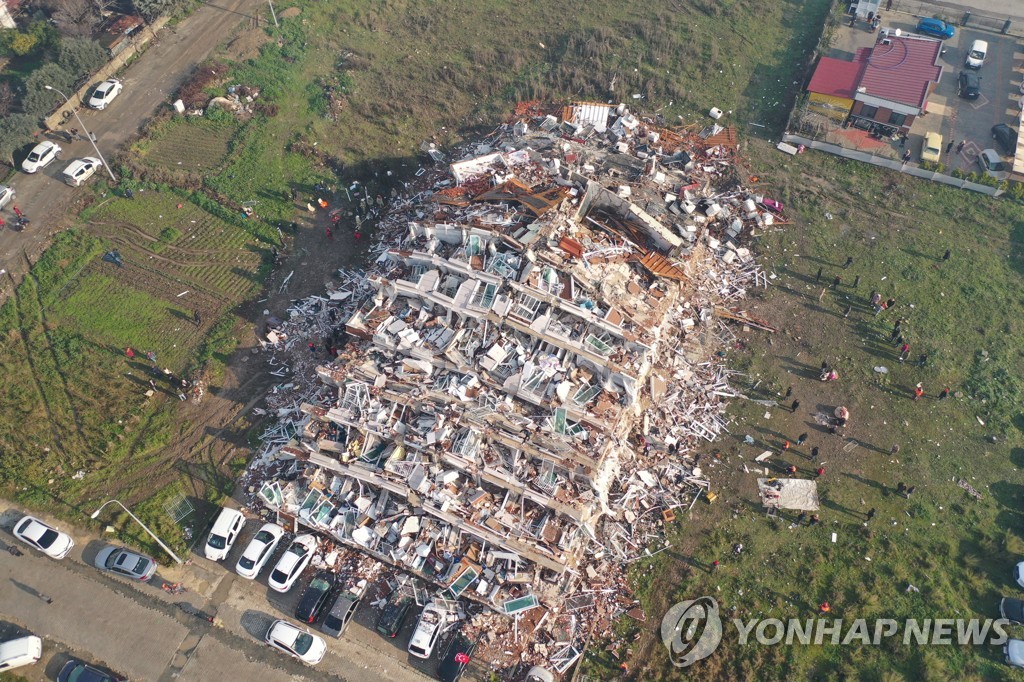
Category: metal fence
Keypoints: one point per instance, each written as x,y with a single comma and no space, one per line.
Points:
886,162
958,16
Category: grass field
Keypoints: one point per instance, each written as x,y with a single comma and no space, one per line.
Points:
958,551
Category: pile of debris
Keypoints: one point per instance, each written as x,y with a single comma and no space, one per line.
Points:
517,389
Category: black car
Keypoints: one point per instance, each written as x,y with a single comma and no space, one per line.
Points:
969,85
394,615
315,596
1012,610
455,658
77,671
1006,137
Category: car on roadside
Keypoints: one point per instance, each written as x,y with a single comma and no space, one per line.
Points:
992,164
315,596
41,156
976,55
1013,651
6,195
80,170
79,671
296,642
105,93
342,611
21,651
44,537
1012,610
456,656
393,616
292,563
1018,573
428,630
259,550
935,28
222,536
125,562
931,147
1006,137
969,85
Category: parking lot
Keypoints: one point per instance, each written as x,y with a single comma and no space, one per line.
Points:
954,118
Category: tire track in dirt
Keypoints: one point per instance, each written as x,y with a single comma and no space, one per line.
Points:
23,331
127,227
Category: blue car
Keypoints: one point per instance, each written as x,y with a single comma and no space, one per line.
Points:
935,27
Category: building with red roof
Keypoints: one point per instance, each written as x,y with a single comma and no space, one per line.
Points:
887,85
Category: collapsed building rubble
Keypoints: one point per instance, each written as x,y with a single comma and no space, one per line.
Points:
528,370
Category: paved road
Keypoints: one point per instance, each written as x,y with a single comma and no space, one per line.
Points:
148,83
140,631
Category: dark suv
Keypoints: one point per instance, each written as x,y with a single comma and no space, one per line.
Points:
315,596
1006,137
394,615
969,85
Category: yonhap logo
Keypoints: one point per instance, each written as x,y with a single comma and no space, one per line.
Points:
691,631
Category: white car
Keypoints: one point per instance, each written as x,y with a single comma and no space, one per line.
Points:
294,641
258,551
105,93
16,653
225,531
6,195
1013,650
80,170
428,630
291,564
1018,573
41,156
43,537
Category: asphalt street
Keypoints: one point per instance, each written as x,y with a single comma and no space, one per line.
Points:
148,82
142,632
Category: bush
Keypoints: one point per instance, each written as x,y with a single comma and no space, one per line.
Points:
80,56
39,101
193,92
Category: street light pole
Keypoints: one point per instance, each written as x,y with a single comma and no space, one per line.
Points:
136,519
88,135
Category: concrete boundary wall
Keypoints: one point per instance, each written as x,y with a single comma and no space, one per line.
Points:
893,164
57,119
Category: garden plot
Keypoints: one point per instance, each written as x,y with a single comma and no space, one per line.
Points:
189,144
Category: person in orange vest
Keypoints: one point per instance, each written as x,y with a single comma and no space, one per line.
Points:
918,391
825,607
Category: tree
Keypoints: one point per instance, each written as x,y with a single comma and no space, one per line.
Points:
151,9
75,17
6,98
80,56
39,101
14,131
21,43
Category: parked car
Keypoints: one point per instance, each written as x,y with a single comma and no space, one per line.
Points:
969,85
393,616
1018,573
77,671
992,163
80,170
931,148
341,614
315,596
43,537
1013,650
935,27
105,93
1012,610
1006,137
15,653
41,156
6,195
301,644
428,630
456,656
259,550
225,531
126,562
976,55
291,564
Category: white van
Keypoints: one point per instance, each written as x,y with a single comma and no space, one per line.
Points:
225,531
976,56
19,652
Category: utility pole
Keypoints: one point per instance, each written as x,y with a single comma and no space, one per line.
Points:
273,13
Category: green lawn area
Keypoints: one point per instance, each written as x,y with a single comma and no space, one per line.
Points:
958,551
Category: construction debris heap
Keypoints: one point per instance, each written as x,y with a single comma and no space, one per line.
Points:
530,368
